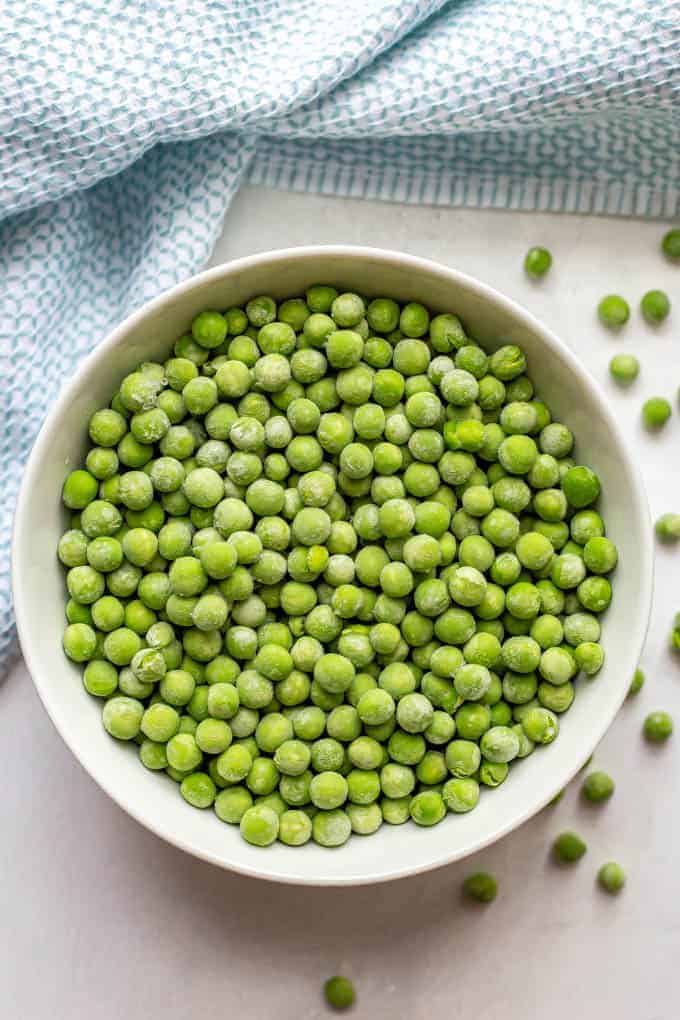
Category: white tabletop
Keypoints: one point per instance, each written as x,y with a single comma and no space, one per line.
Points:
102,920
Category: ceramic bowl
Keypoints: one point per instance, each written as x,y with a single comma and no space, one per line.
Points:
39,583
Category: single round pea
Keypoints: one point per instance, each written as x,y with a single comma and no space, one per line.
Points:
670,245
231,804
328,790
80,488
100,678
347,309
581,486
339,991
499,744
667,527
107,427
376,706
122,717
460,795
655,412
199,790
331,828
600,555
613,311
537,262
589,657
655,306
611,877
624,368
209,329
427,808
597,787
481,887
569,848
414,713
472,720
79,642
657,727
637,682
292,757
540,725
295,828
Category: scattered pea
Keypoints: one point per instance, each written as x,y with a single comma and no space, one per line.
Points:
339,992
537,262
637,682
569,848
670,245
655,306
597,787
655,412
611,877
624,368
675,633
657,727
667,527
613,311
481,886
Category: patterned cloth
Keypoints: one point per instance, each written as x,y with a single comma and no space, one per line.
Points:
127,126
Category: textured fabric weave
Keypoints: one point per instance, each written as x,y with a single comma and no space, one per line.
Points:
127,126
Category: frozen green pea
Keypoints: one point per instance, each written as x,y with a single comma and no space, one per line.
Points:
460,795
427,808
259,825
569,848
611,877
655,412
657,727
122,717
481,887
613,311
414,713
331,828
79,642
295,828
100,678
655,306
624,369
597,787
537,262
637,682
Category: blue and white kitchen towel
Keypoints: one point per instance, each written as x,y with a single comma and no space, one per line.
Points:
126,126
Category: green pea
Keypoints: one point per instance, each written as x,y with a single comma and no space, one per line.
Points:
655,412
481,887
569,848
339,992
613,311
624,368
537,262
655,306
658,727
597,787
611,877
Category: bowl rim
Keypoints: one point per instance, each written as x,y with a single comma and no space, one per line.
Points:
638,499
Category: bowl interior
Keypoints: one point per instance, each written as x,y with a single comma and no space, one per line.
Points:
39,582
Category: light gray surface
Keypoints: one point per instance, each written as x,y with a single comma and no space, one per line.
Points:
100,919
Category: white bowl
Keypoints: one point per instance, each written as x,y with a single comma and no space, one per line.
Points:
39,583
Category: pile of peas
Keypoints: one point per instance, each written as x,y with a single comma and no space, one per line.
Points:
332,565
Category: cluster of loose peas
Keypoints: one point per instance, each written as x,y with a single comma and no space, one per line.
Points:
332,565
